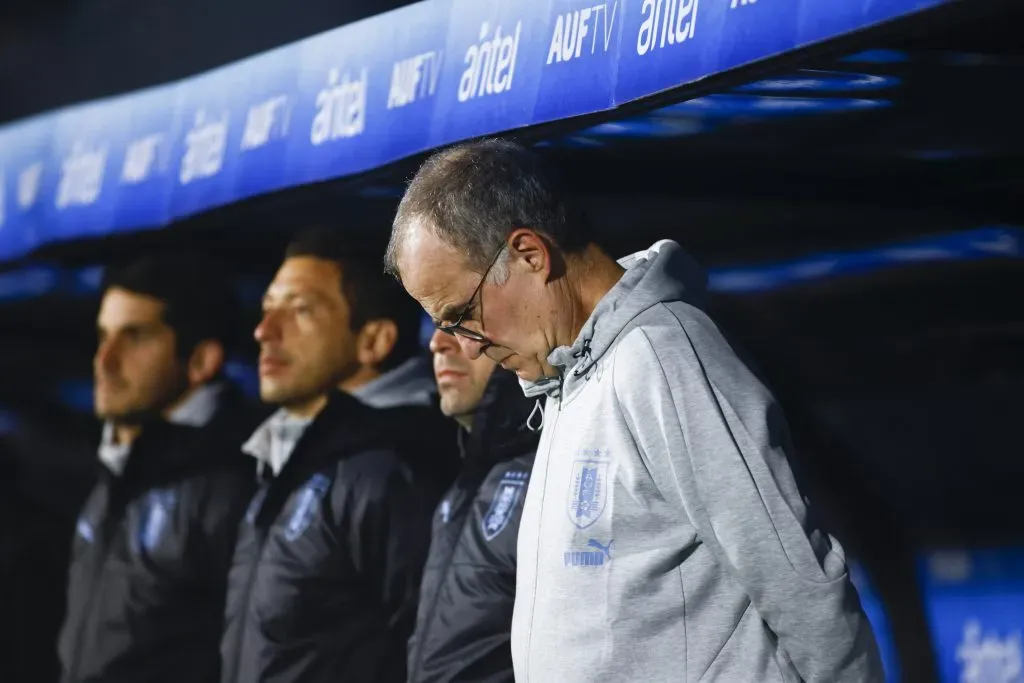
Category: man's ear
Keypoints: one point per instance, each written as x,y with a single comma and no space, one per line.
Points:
531,249
375,342
206,361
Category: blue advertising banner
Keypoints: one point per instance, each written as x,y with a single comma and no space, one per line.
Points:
578,72
414,78
149,165
975,604
83,191
660,45
340,121
25,166
376,91
262,135
491,80
210,125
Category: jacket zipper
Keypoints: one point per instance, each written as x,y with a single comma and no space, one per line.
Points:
467,500
540,525
261,540
108,529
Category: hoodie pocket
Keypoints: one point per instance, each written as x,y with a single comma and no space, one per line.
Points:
747,655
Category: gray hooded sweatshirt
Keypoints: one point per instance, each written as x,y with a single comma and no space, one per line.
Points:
663,536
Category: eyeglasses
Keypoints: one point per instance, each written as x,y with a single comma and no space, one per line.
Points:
456,329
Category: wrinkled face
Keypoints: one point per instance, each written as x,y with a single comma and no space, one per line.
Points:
306,344
136,370
510,317
460,381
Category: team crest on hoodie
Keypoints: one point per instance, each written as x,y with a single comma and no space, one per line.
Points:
587,489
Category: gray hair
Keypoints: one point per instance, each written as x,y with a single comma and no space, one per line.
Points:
474,195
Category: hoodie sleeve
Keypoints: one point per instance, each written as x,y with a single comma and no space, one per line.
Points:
714,440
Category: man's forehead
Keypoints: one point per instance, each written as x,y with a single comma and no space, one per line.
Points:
120,308
442,298
421,247
433,272
291,288
305,276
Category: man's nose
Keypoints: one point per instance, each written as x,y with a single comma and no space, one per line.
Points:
442,342
106,354
268,327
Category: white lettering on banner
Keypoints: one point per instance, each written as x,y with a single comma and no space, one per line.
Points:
990,659
570,30
81,176
666,22
138,159
340,107
491,65
260,122
205,146
741,3
28,184
414,78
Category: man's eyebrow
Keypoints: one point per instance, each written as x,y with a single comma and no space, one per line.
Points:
291,295
451,312
130,328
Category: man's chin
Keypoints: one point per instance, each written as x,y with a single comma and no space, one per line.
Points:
292,401
276,396
455,407
120,416
105,409
528,374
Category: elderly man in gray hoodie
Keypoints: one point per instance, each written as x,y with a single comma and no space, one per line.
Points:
663,536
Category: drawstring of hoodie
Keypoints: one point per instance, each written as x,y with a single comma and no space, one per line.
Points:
584,352
535,422
538,409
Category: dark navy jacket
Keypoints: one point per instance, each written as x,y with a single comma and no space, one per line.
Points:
151,554
468,589
325,578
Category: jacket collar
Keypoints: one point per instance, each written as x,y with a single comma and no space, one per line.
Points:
500,430
343,427
273,441
196,411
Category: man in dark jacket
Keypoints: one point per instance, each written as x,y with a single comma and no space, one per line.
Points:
387,366
153,541
329,558
465,612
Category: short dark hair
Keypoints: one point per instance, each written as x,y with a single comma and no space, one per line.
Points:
472,196
199,303
369,292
